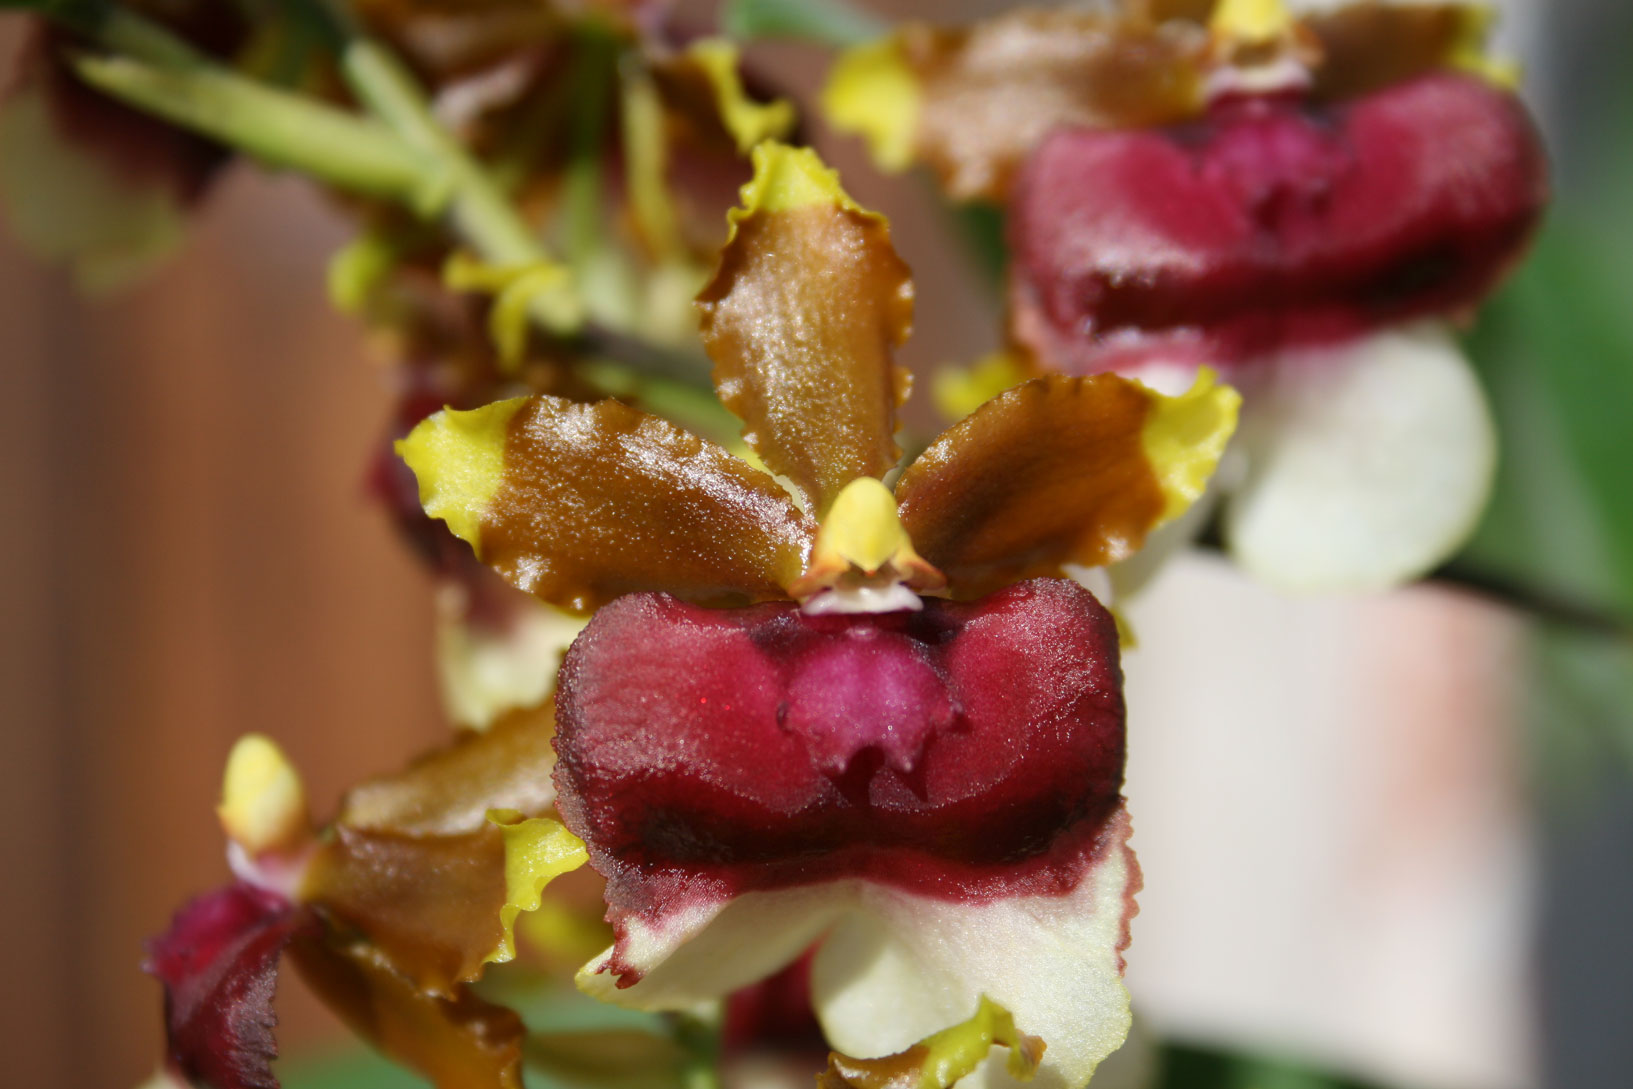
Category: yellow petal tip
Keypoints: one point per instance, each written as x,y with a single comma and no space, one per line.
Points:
263,804
959,391
873,93
1185,436
1251,20
749,122
789,178
459,460
1470,53
537,851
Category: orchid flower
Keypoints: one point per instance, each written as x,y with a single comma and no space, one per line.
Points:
388,915
1304,204
816,711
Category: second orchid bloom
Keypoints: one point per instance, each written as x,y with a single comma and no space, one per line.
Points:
1304,204
814,712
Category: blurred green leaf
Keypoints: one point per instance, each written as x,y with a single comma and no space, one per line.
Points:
1556,350
825,22
353,1068
1189,1066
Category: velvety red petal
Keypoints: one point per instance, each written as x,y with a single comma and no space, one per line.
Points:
219,965
958,751
1273,223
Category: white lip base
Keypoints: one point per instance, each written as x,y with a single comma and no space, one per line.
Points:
894,598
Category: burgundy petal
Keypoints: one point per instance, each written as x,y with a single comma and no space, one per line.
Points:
1272,223
219,966
962,751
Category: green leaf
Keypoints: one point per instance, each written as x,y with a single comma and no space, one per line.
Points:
1556,350
352,1068
1186,1066
824,22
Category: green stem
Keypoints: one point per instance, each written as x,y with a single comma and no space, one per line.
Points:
279,128
700,1041
478,211
592,73
156,71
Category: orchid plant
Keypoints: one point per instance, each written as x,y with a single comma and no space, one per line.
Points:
754,709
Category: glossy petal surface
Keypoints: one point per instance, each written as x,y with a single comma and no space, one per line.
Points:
973,102
1272,224
1055,471
219,966
801,320
964,751
1366,467
581,503
449,791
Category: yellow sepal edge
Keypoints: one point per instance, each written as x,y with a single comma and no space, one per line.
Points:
873,93
1252,21
537,851
459,460
788,179
1184,437
749,122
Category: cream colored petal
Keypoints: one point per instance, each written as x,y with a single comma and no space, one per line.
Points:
894,967
904,966
1368,465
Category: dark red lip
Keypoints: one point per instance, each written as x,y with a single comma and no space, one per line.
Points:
950,751
1272,223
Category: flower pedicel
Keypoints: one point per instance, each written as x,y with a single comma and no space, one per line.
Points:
769,737
1301,204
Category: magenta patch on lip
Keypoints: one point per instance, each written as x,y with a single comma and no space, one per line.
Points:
1272,223
966,750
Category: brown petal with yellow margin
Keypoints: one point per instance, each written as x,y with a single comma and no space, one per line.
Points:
974,101
440,908
579,504
801,320
431,904
1371,45
1053,471
449,791
455,1042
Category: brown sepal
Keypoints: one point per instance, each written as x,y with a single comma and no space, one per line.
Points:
802,319
602,500
1370,45
431,904
454,1042
449,791
1050,472
990,92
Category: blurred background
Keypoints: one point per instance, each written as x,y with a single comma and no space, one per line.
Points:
1386,841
